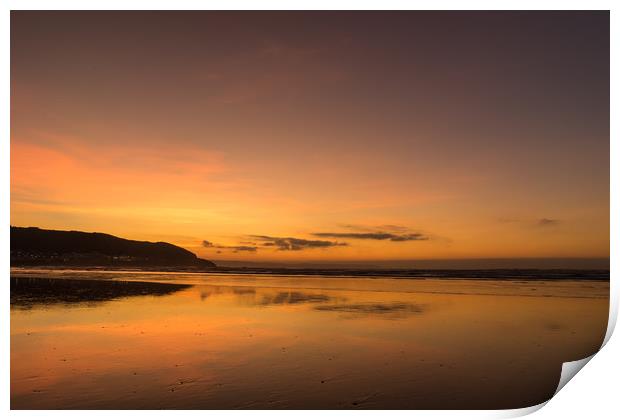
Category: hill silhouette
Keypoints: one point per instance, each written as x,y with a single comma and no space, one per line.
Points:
34,246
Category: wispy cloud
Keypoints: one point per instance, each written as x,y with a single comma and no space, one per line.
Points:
378,236
294,244
387,232
548,222
381,228
234,248
543,222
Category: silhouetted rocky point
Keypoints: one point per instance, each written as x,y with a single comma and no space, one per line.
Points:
33,246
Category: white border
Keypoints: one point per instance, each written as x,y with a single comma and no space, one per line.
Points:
309,5
593,394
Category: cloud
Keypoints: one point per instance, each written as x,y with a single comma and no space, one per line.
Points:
236,248
529,223
243,248
393,228
381,228
295,244
386,232
409,237
548,222
378,236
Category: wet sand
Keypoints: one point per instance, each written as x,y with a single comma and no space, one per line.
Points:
203,341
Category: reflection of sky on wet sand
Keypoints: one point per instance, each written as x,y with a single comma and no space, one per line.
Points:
265,344
249,296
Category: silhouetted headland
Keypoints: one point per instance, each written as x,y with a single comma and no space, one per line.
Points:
32,246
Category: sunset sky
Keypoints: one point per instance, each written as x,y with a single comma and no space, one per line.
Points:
316,135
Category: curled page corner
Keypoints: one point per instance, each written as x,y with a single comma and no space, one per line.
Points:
570,369
613,315
520,412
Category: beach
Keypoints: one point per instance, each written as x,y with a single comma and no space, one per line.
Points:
140,340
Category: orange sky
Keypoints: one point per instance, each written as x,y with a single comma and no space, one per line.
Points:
435,136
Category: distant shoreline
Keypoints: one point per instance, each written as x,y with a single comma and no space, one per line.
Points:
473,274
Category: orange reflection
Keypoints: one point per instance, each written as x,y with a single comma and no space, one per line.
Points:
338,344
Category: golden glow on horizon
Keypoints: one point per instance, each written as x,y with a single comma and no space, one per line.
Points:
187,197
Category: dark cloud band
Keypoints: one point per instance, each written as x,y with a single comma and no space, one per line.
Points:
208,244
548,222
295,244
378,236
